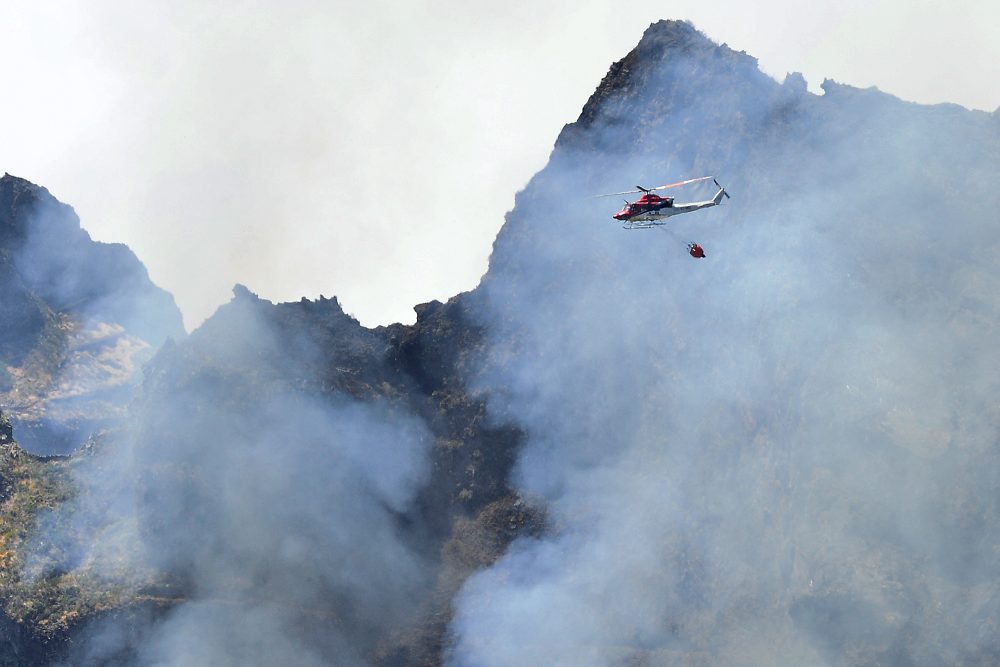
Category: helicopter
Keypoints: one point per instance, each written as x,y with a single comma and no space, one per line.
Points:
652,210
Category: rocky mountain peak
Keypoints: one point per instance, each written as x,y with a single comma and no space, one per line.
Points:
58,261
671,62
24,207
77,320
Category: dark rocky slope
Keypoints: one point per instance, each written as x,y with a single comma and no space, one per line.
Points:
77,320
56,261
250,354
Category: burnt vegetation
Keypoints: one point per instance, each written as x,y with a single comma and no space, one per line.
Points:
250,352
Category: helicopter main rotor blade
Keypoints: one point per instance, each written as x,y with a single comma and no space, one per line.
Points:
680,183
662,187
616,194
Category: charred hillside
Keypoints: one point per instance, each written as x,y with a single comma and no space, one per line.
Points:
77,320
296,413
606,454
52,258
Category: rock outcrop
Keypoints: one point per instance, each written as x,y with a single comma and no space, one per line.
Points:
77,320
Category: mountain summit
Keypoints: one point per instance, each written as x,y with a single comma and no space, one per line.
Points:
77,320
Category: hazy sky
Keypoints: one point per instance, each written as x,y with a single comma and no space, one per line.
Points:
370,150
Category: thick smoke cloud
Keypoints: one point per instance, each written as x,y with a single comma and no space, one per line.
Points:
253,517
783,454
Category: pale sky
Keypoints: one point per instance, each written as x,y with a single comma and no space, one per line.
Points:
369,150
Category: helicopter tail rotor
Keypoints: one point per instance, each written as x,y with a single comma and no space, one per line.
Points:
721,188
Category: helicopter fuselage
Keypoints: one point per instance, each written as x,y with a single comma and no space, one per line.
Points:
640,214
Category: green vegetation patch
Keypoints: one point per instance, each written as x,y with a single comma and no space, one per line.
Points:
40,584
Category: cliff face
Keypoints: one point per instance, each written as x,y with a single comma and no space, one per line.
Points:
609,452
77,320
57,261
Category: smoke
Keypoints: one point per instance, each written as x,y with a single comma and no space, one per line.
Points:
783,454
79,320
249,514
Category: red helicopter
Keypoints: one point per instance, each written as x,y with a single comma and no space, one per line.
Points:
652,210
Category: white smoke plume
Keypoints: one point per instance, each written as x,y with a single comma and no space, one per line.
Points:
250,515
785,453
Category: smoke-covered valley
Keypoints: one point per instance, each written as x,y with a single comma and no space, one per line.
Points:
609,453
